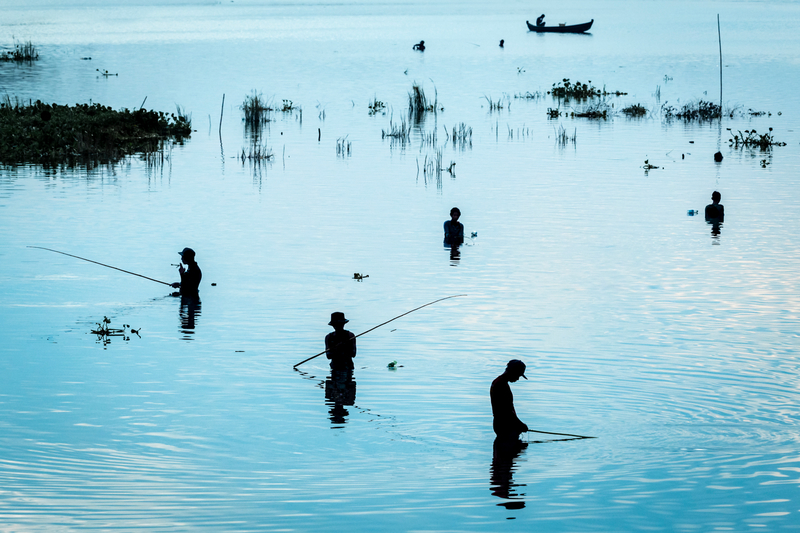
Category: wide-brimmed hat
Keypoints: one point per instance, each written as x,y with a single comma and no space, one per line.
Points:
188,252
516,366
337,318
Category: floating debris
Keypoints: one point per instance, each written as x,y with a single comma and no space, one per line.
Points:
104,331
360,277
692,212
647,166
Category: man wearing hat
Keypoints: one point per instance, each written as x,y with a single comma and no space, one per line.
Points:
506,424
341,344
190,276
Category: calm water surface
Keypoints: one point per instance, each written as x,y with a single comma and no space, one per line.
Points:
677,348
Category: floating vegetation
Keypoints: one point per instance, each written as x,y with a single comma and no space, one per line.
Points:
537,95
563,139
594,111
360,277
701,110
376,106
418,103
21,52
752,139
553,113
256,110
88,134
104,331
461,136
635,110
106,74
343,147
567,90
288,106
647,166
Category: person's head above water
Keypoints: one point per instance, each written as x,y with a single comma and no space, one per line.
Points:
515,369
455,213
338,320
716,197
187,255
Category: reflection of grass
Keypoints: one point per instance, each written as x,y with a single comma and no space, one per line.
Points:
21,52
563,139
256,110
52,134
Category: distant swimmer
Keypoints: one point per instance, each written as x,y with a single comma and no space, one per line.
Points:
540,20
453,229
715,211
190,276
341,344
506,423
501,43
419,46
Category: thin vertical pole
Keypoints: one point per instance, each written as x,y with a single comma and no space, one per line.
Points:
719,35
221,111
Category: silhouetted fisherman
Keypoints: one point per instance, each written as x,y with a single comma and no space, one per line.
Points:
453,229
506,424
540,20
341,344
419,46
715,211
190,276
501,43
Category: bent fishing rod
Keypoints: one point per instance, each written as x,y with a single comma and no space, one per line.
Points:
101,264
379,325
563,434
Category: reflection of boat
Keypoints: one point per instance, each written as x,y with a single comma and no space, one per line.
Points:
574,28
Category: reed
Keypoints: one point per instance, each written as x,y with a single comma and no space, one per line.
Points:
753,139
495,105
22,52
343,147
400,131
461,136
563,139
257,153
635,110
256,110
419,105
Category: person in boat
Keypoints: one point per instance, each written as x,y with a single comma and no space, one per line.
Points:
540,20
419,46
715,211
190,276
507,426
453,229
341,344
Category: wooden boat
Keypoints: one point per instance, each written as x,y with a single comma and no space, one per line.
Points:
574,28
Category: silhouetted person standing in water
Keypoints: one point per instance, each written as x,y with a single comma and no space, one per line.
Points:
453,229
715,211
190,276
419,46
506,424
341,344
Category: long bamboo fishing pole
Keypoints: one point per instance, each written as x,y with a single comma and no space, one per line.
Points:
379,325
101,264
563,434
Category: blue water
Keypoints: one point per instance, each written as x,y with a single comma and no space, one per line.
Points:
677,348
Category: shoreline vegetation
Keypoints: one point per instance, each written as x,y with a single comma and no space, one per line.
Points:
83,134
22,52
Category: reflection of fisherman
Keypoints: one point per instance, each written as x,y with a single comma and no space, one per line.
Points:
341,344
506,424
340,390
540,20
190,309
502,472
190,276
453,229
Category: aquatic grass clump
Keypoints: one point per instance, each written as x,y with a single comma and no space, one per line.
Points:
701,110
343,147
635,110
537,95
256,110
376,106
257,153
594,111
752,139
563,139
400,131
418,103
21,52
496,105
461,136
566,90
52,134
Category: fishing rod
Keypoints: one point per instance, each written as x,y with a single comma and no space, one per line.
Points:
101,264
564,434
379,325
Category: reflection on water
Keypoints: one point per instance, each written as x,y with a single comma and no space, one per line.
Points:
190,308
504,456
340,391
